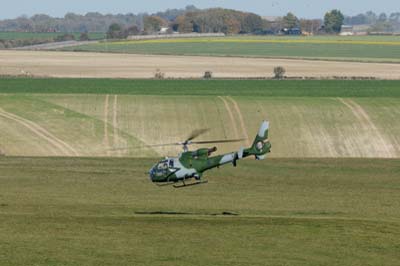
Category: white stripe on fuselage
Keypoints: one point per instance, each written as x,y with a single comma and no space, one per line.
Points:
183,171
227,158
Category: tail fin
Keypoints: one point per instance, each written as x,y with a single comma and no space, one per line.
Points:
261,145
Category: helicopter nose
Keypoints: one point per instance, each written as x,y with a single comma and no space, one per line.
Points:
151,174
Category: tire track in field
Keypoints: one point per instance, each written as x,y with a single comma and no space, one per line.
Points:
48,149
232,118
116,138
106,141
376,138
41,132
241,120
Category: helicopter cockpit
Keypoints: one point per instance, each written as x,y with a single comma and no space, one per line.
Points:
161,169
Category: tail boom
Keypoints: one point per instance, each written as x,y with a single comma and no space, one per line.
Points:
259,149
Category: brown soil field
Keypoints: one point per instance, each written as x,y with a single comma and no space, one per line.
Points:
96,65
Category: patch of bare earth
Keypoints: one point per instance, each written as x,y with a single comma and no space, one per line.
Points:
97,65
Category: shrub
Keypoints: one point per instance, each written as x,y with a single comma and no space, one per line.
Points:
279,72
159,74
207,75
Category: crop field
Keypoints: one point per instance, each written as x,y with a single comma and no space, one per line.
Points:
85,211
44,35
46,117
114,65
328,194
368,48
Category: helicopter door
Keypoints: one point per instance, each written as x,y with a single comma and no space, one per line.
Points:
171,164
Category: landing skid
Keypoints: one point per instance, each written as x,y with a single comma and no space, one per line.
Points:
165,184
184,184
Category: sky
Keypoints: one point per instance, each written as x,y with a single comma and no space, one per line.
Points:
303,8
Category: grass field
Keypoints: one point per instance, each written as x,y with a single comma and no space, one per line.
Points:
58,211
42,117
254,88
70,210
7,35
368,48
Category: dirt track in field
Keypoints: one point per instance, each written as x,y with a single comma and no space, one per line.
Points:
105,138
375,138
97,65
57,143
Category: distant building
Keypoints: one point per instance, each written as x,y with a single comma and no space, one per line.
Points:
350,30
347,30
291,31
361,29
164,30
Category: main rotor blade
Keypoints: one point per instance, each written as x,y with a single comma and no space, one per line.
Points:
197,133
144,146
216,141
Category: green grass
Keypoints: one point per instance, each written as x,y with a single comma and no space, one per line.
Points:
58,211
308,118
44,35
100,211
264,88
371,48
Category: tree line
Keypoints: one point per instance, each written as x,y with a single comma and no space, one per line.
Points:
192,19
91,22
217,20
12,43
378,22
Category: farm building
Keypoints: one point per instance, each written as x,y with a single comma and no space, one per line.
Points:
347,30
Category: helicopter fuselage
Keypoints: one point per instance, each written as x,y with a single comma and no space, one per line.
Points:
192,164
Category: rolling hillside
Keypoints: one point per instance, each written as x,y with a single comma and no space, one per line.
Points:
94,124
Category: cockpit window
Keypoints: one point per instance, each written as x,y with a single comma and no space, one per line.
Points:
171,163
162,165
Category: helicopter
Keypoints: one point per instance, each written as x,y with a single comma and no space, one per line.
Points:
191,165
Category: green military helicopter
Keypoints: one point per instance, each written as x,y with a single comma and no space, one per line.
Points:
192,164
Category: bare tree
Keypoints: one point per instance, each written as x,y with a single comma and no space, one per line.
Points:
279,72
159,74
207,75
